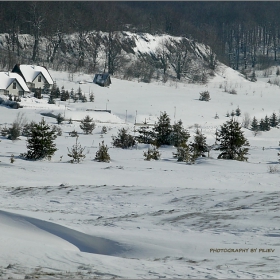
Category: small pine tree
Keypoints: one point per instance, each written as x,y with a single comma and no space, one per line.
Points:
179,135
232,113
51,100
102,154
232,141
262,126
227,114
216,116
57,92
238,112
91,97
123,139
273,120
38,93
80,93
46,88
59,118
266,123
199,146
40,143
84,98
146,135
254,124
162,130
152,153
76,152
12,159
87,125
183,154
104,130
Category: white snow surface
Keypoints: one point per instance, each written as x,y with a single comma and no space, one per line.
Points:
131,218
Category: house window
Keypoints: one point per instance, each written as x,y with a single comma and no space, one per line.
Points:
14,85
39,79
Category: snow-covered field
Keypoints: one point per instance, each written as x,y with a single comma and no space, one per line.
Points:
136,219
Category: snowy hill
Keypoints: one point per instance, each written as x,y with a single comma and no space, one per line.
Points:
54,214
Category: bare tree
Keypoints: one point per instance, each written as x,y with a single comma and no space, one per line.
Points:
36,20
178,56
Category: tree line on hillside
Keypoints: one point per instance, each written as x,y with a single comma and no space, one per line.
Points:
242,34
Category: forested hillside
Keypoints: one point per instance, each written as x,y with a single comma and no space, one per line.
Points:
244,35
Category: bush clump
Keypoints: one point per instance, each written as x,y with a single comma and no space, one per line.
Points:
204,96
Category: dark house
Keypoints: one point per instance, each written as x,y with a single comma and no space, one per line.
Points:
103,80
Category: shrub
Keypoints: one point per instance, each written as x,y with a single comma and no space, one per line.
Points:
102,154
104,130
152,153
204,96
233,91
73,133
273,169
12,159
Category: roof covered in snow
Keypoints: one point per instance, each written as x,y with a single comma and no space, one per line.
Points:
6,78
30,72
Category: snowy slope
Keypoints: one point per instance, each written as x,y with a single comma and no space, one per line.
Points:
161,219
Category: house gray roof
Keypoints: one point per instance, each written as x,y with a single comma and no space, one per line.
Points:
7,78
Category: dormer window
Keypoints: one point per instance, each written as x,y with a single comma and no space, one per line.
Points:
39,79
14,85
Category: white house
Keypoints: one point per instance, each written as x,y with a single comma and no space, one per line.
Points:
34,76
12,83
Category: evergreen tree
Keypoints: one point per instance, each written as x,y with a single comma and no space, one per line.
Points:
199,146
123,139
91,97
72,94
46,88
232,141
238,112
152,153
102,154
84,98
51,99
59,118
266,123
184,154
40,143
57,92
262,126
273,120
87,125
146,135
162,130
79,93
179,135
38,93
76,152
254,125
